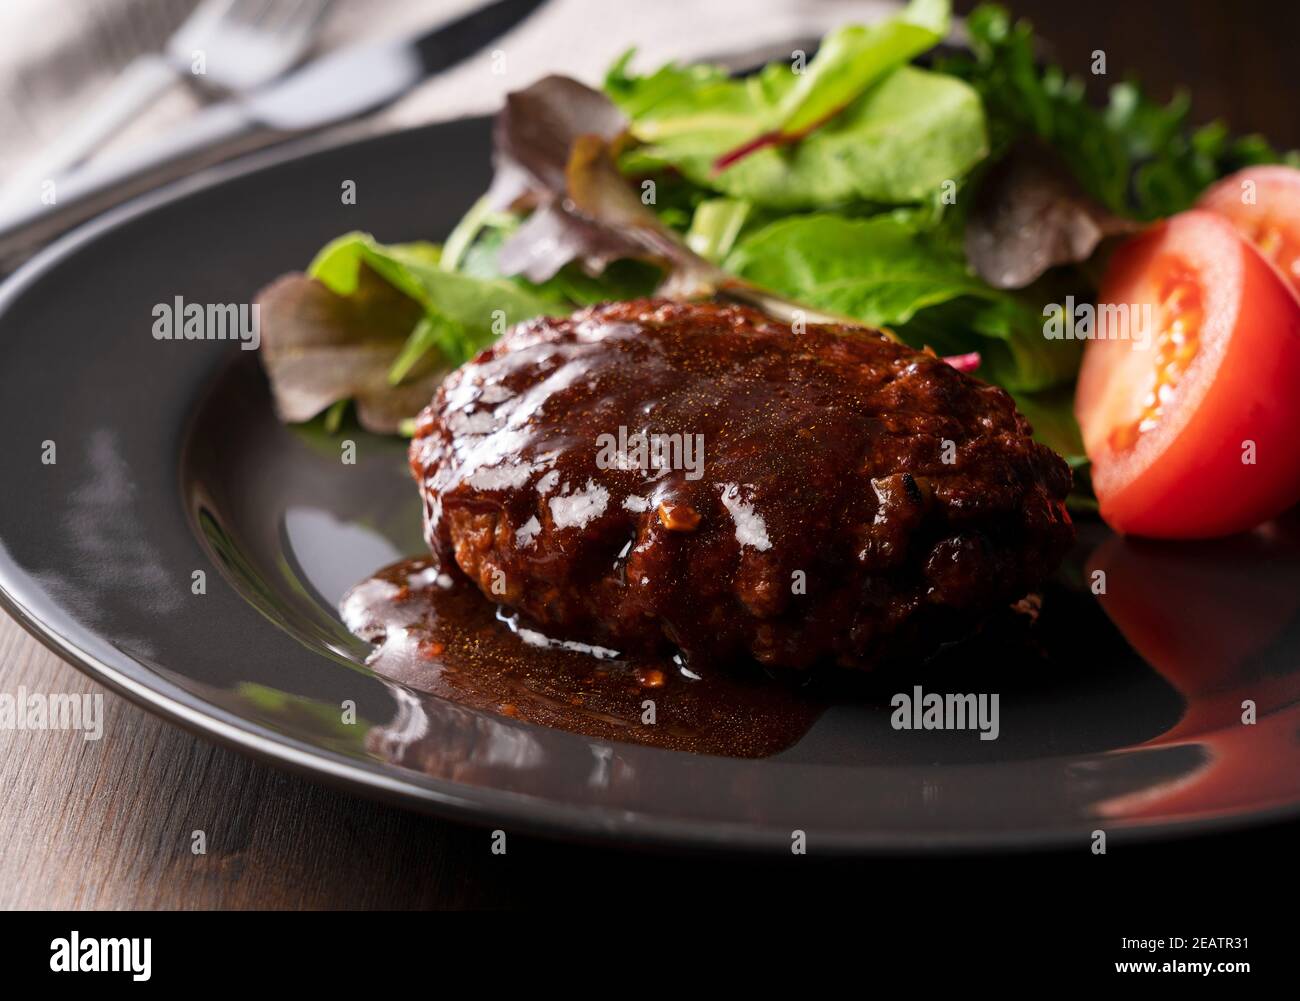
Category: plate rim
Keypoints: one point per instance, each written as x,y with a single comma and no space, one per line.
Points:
468,804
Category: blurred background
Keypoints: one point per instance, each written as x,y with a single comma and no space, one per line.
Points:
57,56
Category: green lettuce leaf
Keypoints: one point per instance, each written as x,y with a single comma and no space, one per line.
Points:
879,270
892,271
621,279
1139,158
462,314
852,58
865,127
715,226
896,144
381,325
848,61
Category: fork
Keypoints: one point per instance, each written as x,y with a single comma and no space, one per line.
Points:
231,46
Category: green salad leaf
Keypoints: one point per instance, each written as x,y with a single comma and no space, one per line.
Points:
896,144
715,225
893,271
880,270
621,279
869,128
462,313
945,204
381,324
852,58
1139,158
848,61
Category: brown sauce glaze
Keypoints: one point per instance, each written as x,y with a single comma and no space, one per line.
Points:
822,497
439,635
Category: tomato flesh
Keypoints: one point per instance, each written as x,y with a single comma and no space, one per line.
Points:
1264,204
1178,314
1198,434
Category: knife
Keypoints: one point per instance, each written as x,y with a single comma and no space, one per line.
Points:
335,88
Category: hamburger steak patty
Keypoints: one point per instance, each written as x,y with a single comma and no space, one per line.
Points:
822,524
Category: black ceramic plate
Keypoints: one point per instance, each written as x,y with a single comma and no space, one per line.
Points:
1120,712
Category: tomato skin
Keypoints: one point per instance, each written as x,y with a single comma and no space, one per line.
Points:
1186,479
1270,220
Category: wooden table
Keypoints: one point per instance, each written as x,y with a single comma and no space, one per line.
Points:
108,824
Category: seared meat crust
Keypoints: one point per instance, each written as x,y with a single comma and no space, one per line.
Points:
857,501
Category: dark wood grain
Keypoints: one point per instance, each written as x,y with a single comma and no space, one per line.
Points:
109,824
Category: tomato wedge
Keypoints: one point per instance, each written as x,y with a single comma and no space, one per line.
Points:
1264,204
1198,434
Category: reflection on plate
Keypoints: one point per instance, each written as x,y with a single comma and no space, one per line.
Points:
1120,710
